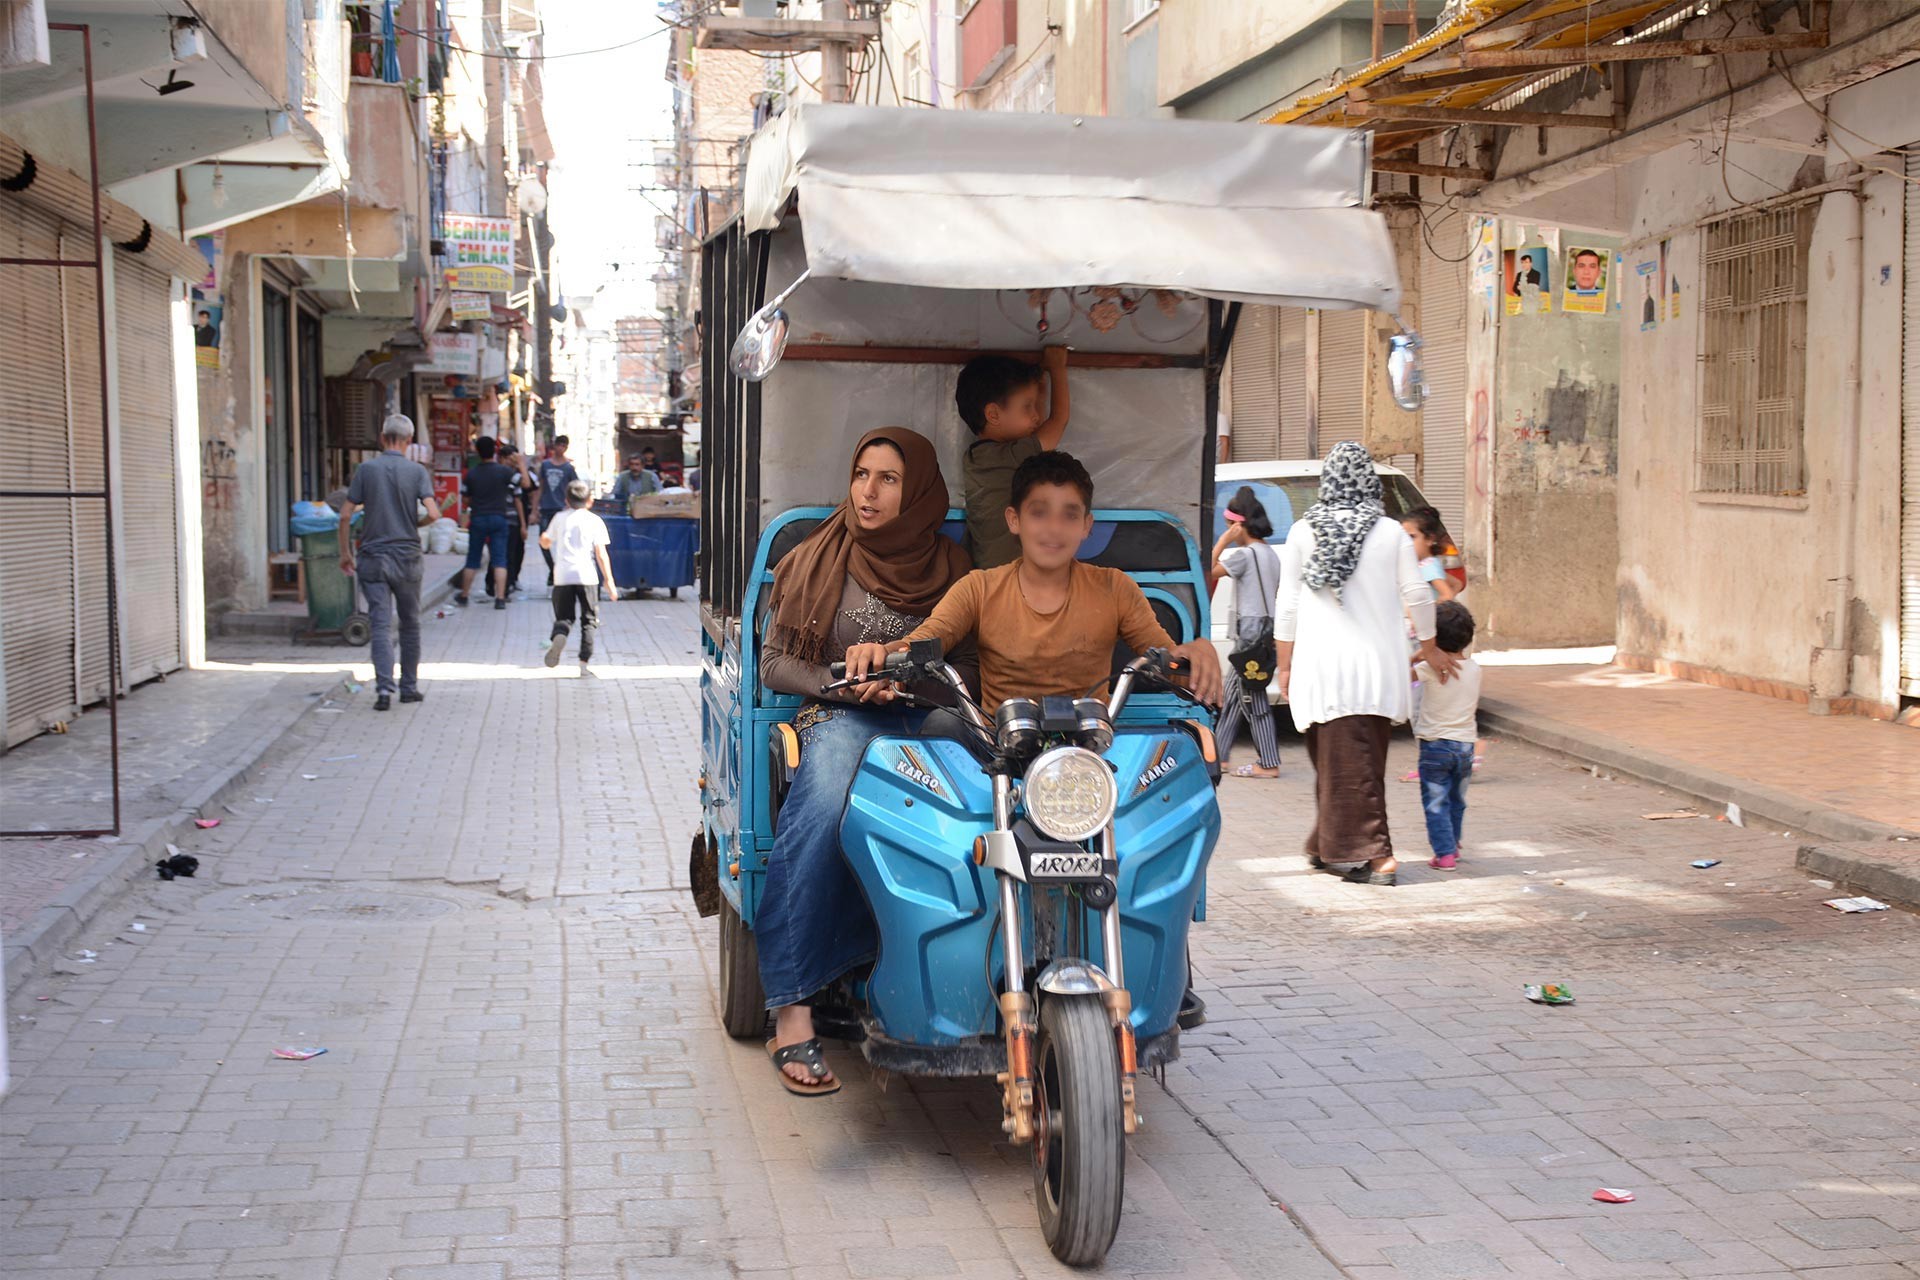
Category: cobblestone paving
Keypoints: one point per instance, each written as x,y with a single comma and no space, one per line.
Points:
475,905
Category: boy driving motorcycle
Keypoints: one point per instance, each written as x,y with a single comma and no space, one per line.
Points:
1047,623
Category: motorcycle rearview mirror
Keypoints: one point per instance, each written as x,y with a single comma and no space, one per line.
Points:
763,339
1403,370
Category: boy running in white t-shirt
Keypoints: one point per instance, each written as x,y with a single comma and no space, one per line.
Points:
578,540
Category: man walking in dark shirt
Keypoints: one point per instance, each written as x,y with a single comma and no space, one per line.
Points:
556,473
519,516
488,489
392,488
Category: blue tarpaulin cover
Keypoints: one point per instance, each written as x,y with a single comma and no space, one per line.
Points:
652,553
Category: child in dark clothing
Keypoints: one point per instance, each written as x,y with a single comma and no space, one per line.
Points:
999,400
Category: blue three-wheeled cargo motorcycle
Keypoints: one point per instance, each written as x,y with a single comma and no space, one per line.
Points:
1033,868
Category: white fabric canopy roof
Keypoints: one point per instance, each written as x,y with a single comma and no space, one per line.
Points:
997,200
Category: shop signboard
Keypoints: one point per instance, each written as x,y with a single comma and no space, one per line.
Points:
469,305
479,252
451,353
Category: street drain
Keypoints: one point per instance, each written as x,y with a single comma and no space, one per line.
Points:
316,902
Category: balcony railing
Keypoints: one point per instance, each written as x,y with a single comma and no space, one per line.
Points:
375,49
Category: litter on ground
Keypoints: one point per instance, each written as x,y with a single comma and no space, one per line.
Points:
1701,864
1852,905
206,824
1613,1195
1669,815
1548,993
299,1053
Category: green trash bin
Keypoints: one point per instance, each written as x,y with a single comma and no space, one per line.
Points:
330,593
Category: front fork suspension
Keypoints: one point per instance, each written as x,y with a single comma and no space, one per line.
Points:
1017,1015
1120,1005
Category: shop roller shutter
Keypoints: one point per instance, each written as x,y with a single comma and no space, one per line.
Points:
149,487
1293,383
1910,449
92,615
1443,334
1343,376
1255,369
36,534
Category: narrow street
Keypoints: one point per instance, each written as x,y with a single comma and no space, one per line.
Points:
477,907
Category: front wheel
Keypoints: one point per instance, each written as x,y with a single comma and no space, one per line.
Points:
1079,1141
743,1005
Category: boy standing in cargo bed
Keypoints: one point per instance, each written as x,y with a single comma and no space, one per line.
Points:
999,400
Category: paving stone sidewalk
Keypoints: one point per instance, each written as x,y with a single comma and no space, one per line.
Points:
476,906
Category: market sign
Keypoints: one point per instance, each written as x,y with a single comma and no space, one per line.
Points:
451,353
471,306
479,251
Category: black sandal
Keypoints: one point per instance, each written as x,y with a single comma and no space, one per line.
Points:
1365,874
809,1054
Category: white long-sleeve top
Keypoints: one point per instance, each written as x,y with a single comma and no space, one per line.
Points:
1350,655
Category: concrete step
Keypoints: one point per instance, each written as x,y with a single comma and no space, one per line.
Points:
1884,869
277,623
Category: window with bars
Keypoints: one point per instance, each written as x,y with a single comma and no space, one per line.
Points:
1753,354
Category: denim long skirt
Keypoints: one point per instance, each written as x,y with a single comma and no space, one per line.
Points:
813,925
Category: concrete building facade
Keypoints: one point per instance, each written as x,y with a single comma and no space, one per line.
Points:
1706,463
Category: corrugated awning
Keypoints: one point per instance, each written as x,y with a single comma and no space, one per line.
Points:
1487,53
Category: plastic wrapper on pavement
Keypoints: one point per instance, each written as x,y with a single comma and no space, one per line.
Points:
652,554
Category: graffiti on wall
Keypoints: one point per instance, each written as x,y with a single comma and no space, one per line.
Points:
219,475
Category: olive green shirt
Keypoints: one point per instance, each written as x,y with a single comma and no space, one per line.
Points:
988,475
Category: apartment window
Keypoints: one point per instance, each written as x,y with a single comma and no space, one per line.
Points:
1753,354
913,78
1135,10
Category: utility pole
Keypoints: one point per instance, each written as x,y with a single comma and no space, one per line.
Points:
833,55
836,33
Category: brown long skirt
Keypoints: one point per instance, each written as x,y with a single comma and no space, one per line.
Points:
1349,789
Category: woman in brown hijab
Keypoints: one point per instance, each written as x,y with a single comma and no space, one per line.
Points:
869,573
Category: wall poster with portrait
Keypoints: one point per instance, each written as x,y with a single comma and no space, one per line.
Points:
1528,275
1584,288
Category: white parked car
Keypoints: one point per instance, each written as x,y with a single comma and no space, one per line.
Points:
1286,490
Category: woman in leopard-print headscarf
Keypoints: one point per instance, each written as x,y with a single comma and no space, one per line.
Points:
869,573
1348,582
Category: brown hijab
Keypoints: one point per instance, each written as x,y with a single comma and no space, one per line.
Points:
907,562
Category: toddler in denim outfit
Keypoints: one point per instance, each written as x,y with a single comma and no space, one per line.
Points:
1446,726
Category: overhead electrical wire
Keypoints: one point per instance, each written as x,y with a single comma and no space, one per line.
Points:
537,57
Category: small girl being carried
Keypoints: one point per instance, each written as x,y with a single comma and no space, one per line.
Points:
1430,542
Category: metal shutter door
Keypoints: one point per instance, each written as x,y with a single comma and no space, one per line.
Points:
1256,385
1343,377
36,534
1443,334
148,494
1293,383
1910,449
92,617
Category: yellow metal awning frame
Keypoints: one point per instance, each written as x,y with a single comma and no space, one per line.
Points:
1488,50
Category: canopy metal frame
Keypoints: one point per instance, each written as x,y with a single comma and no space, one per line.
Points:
104,496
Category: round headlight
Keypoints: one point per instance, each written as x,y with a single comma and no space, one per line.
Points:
1069,793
